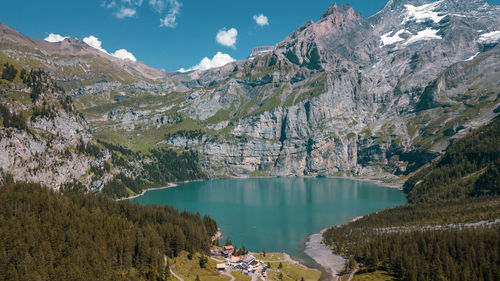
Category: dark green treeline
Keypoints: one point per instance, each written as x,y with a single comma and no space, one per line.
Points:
46,235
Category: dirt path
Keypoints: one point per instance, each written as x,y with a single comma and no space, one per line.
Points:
352,273
484,223
228,274
217,260
177,276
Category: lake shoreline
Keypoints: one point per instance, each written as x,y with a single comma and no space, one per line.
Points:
169,185
146,190
322,254
375,181
314,254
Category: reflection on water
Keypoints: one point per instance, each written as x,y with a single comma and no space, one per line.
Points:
276,213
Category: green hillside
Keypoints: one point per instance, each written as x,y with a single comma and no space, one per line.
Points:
429,239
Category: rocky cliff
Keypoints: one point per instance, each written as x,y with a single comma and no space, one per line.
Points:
42,137
345,95
349,95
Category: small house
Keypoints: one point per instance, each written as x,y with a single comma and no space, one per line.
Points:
235,259
221,266
248,259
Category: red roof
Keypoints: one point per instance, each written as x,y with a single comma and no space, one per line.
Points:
230,247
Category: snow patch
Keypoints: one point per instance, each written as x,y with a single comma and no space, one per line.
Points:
427,34
423,13
473,57
490,37
389,40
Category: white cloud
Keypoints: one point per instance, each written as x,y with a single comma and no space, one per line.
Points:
132,2
218,60
109,4
54,38
125,13
128,8
170,19
94,42
261,20
227,37
124,54
158,5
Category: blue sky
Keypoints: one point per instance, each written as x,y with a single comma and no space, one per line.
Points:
172,34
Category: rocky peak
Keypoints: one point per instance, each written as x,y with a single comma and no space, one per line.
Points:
73,45
332,10
345,12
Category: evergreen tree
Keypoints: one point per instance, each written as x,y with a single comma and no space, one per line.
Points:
9,72
203,261
90,237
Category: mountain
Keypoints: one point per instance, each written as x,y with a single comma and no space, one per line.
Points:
72,60
349,95
345,95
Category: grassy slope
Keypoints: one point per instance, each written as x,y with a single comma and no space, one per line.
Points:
292,272
189,269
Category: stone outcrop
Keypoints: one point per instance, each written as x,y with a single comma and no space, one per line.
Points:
45,153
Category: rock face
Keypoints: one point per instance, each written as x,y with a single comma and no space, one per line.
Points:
396,89
44,140
46,156
260,51
345,95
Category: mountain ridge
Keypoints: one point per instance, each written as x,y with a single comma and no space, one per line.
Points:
344,96
50,55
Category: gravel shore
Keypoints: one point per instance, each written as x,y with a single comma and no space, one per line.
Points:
323,255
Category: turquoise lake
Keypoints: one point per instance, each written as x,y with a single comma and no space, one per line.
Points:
276,214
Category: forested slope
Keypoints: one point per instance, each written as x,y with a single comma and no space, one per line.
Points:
470,167
428,239
44,139
47,235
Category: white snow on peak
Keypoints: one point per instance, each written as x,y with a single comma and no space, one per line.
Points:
490,37
427,34
473,57
423,13
389,40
